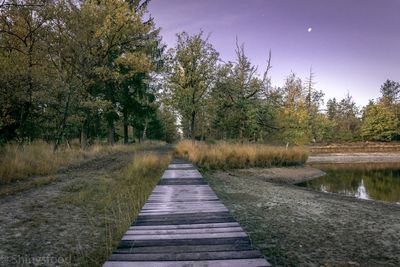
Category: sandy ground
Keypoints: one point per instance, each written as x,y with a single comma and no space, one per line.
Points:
38,228
294,226
354,157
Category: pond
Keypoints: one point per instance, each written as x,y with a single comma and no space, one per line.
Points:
375,181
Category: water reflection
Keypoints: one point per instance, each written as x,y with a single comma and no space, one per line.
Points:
365,181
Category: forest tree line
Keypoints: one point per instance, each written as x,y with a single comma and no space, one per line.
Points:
98,70
234,101
82,69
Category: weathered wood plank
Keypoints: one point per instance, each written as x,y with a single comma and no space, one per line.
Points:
181,174
185,248
180,166
183,236
186,242
184,231
190,256
188,226
259,262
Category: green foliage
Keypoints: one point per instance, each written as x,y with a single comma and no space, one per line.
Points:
379,123
236,99
70,69
344,116
192,70
390,91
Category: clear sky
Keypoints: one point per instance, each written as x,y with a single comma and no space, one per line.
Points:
354,45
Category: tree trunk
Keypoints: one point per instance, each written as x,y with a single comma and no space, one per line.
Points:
192,126
126,137
241,135
84,142
110,138
61,128
133,135
144,136
241,132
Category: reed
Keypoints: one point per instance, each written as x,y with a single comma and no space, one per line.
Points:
237,156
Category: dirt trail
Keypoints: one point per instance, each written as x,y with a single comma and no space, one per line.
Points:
36,225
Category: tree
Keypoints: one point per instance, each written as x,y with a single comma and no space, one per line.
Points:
293,117
314,99
23,31
344,117
192,71
237,94
390,91
379,123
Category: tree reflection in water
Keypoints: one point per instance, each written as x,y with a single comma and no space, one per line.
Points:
377,181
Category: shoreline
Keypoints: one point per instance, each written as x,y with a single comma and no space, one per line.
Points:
365,157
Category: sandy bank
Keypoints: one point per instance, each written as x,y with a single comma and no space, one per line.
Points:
354,157
290,175
294,226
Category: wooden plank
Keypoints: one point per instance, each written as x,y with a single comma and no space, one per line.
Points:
185,231
187,226
193,211
183,236
184,248
185,216
216,263
181,174
180,166
182,181
183,204
185,242
190,256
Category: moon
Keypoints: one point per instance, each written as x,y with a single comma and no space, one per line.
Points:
309,29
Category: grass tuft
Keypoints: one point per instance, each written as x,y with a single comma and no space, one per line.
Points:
236,156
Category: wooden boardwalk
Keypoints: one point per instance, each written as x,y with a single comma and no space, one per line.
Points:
183,223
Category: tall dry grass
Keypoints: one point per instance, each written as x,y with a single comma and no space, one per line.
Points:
117,198
17,163
356,147
230,156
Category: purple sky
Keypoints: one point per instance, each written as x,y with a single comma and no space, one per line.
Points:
354,45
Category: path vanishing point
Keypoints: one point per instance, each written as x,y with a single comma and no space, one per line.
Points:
184,224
